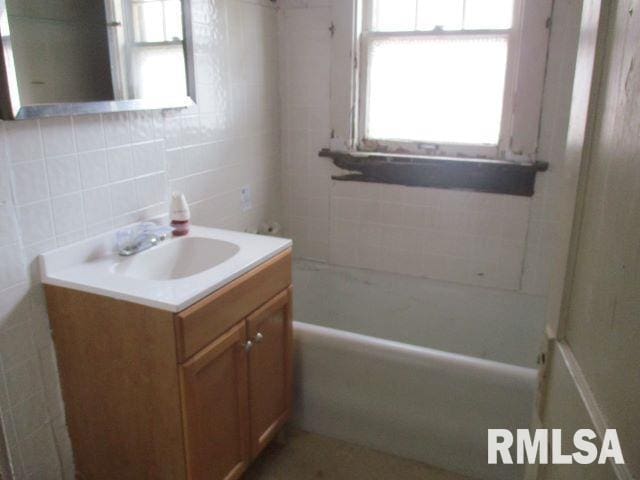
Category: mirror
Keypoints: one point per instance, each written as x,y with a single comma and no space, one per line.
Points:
65,57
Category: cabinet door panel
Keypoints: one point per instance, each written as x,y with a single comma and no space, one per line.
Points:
270,369
215,409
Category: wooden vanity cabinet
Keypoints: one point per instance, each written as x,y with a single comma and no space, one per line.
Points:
215,406
270,369
195,395
236,392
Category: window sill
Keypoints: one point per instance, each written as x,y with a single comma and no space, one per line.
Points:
475,174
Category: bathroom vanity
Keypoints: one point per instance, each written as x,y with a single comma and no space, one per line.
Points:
160,386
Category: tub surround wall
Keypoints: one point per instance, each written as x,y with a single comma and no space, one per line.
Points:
490,324
497,241
65,179
465,237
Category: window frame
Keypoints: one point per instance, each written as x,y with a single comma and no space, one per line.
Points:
504,149
134,46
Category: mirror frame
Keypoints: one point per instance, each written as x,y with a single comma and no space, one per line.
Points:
12,109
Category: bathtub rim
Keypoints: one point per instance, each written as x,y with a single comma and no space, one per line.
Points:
430,358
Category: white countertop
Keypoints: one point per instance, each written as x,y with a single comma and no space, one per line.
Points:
91,266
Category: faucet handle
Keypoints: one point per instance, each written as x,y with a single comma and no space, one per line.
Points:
124,238
128,238
160,231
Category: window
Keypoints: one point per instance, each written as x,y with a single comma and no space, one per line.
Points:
451,77
157,42
157,21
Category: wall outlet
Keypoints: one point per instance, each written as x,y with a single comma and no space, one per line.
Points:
245,198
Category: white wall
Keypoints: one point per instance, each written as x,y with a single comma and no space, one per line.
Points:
599,332
495,241
65,179
505,326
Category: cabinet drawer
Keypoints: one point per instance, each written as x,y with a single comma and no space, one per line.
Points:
203,322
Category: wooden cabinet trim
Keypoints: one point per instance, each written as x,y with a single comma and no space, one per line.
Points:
202,358
232,339
203,322
272,306
263,434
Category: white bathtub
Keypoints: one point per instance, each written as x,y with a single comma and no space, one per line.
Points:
410,400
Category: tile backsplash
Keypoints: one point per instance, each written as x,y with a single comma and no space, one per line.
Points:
65,179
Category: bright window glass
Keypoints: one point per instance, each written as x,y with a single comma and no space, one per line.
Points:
157,21
394,15
435,89
173,20
424,15
437,13
488,14
160,70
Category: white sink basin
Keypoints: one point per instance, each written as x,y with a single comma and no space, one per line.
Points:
171,276
181,258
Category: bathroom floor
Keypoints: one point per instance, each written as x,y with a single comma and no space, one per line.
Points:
307,456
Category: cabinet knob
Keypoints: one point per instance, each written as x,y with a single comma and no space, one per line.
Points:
247,346
259,337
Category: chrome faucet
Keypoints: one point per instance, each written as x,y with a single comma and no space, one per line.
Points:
140,237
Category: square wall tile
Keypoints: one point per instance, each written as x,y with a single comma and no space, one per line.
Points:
67,213
40,455
23,380
120,163
175,163
89,133
57,136
13,270
35,222
16,345
143,125
123,197
23,141
116,129
64,175
93,168
8,224
30,415
148,158
30,182
14,306
151,190
97,205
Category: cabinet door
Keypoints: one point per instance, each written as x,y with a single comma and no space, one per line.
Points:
215,408
270,369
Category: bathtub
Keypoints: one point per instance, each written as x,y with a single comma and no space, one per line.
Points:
409,398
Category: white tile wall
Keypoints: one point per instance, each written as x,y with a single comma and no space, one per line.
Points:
471,238
64,179
506,326
305,67
480,239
